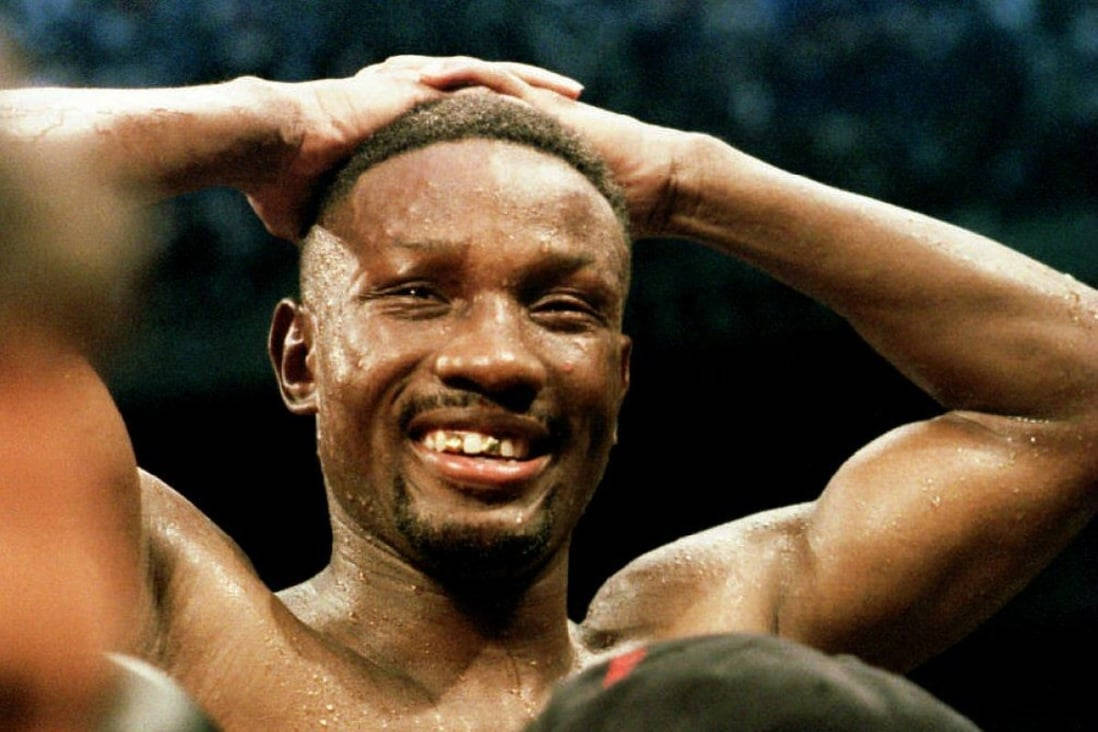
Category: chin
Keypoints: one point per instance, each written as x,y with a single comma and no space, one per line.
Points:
493,547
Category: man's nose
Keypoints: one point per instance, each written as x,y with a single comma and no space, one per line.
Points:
488,352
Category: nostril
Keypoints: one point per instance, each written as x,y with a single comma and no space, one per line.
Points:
515,396
494,364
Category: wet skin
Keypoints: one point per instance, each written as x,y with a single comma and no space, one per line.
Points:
468,287
473,287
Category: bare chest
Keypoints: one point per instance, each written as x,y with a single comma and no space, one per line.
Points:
306,684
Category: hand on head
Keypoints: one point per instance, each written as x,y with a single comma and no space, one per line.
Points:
641,156
326,119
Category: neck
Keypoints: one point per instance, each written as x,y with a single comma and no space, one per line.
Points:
377,604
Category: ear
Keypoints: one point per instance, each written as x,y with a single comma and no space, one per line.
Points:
290,345
625,346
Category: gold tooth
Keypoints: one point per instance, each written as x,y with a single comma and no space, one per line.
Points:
475,443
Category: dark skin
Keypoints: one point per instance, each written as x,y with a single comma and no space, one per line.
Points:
427,307
417,307
916,539
526,345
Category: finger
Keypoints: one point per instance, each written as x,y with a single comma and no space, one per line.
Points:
396,72
408,60
450,73
466,90
440,71
463,71
544,78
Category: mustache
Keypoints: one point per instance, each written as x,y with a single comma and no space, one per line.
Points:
417,405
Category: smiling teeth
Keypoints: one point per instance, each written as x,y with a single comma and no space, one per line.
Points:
476,443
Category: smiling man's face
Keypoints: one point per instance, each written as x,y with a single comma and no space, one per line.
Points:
467,354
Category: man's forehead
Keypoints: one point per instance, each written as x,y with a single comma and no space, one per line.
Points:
429,196
476,166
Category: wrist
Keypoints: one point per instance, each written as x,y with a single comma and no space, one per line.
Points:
260,129
720,192
689,154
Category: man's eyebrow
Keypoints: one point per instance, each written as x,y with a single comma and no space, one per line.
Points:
428,245
556,266
565,261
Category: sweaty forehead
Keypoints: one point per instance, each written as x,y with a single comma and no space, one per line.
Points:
475,187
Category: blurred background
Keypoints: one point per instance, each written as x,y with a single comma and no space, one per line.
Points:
745,395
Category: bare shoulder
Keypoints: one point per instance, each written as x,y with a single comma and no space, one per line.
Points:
184,541
724,579
206,593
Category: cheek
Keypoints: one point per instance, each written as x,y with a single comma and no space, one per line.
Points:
359,372
370,357
592,369
591,386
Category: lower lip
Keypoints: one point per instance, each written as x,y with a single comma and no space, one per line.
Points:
486,472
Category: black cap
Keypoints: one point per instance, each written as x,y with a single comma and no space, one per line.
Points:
741,682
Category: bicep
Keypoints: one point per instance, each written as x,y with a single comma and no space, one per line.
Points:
931,528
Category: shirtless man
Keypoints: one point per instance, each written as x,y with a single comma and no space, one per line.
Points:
459,344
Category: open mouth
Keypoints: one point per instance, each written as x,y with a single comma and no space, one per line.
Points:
476,444
488,459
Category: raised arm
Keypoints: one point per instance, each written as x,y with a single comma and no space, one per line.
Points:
268,139
929,529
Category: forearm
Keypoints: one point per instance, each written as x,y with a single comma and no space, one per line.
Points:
979,326
157,142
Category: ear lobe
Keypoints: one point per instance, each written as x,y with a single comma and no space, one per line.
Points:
290,345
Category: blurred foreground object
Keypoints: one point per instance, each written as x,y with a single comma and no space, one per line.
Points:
67,248
67,578
150,701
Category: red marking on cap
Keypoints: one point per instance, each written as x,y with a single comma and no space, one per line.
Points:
623,665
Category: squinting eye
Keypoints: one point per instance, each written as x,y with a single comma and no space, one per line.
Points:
567,313
416,300
419,292
563,306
